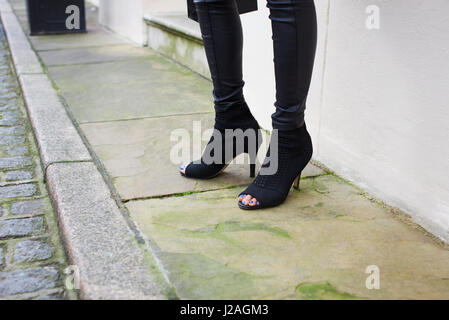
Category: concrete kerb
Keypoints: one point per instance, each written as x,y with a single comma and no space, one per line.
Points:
98,240
25,60
57,137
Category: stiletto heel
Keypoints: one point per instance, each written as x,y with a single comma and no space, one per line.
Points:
296,182
252,170
253,158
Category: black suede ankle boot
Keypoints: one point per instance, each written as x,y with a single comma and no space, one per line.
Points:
224,145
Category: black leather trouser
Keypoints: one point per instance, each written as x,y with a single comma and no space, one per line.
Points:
294,28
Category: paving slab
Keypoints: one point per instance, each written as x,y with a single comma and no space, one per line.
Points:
136,154
95,37
92,54
315,246
132,89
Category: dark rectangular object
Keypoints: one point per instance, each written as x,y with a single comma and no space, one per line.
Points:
243,5
49,16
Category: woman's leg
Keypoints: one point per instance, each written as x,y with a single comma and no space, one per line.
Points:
222,34
294,28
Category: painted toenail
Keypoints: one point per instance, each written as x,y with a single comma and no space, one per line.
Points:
244,201
182,167
258,203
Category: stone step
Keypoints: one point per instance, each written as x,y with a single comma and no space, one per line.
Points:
179,38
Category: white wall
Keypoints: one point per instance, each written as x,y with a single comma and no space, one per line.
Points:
126,17
379,113
123,17
158,6
384,121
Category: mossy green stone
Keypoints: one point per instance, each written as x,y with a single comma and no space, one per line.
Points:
322,291
314,246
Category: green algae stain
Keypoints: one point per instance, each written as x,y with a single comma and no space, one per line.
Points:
196,276
322,291
235,226
187,193
220,231
320,187
332,214
166,288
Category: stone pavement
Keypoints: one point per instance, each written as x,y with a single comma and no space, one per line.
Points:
318,245
32,259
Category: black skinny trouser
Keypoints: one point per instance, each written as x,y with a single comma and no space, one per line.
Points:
294,28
